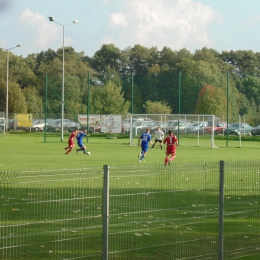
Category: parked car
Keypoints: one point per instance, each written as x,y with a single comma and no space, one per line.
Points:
171,125
161,124
183,126
239,129
2,124
175,125
75,126
55,125
195,127
92,129
11,124
219,128
38,125
126,124
255,130
142,126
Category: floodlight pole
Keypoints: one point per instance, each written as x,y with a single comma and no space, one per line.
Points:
7,84
227,107
179,108
132,105
51,19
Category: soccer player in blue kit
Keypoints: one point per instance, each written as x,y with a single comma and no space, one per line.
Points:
79,138
146,139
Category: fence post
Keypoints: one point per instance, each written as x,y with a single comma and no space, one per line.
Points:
221,210
105,212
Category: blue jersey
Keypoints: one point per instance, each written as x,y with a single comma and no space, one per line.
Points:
80,137
146,138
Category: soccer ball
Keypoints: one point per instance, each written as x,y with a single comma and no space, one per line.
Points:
87,153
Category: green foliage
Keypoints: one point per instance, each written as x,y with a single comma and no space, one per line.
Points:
155,78
108,57
108,99
212,101
17,101
2,94
251,88
33,101
157,107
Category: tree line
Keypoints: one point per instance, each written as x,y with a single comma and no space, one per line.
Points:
151,80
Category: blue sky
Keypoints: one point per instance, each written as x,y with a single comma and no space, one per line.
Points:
192,24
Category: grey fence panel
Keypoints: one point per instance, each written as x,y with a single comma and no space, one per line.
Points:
242,213
161,212
153,212
51,215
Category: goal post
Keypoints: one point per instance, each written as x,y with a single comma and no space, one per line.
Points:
2,126
178,123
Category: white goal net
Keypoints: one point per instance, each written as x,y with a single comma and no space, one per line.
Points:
194,126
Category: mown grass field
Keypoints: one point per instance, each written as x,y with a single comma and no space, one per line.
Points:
28,150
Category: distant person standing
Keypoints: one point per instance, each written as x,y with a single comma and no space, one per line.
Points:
146,139
171,142
79,137
159,135
71,141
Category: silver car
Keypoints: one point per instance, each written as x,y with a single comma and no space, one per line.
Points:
195,127
175,125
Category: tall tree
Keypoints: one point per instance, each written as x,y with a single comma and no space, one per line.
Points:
212,100
17,101
157,107
108,57
109,99
33,101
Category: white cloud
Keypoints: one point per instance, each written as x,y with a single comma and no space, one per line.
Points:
117,19
173,23
42,33
253,21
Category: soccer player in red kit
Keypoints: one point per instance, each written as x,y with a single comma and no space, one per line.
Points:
171,142
71,141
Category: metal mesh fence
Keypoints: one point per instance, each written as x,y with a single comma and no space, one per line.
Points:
155,212
242,222
164,213
51,214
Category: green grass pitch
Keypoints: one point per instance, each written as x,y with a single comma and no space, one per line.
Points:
29,151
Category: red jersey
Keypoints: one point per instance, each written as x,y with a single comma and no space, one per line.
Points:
171,141
72,136
71,139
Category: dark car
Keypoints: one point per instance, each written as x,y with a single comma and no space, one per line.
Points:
11,124
239,129
2,125
92,129
255,130
55,125
75,126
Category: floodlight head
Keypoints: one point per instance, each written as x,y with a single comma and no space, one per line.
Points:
18,45
75,21
51,19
